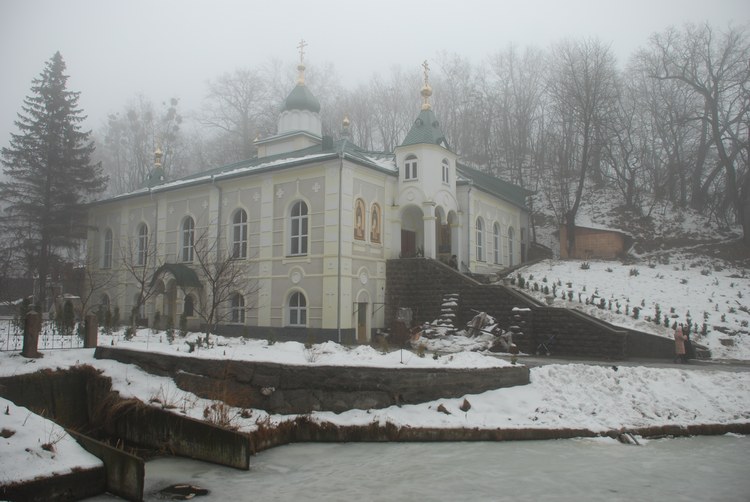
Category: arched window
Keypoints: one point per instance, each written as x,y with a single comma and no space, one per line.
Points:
410,168
188,308
359,220
142,245
297,309
238,308
496,244
375,219
239,234
510,246
298,226
446,171
480,239
107,254
188,239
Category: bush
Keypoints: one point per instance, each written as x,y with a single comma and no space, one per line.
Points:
633,272
585,265
129,333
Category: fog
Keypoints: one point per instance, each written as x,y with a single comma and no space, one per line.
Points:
171,48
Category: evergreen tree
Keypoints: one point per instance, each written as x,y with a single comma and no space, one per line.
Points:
49,172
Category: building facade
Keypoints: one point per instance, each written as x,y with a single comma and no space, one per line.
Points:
310,222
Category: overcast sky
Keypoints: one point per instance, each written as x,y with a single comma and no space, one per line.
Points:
115,49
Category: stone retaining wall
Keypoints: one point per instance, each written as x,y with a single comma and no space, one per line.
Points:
289,389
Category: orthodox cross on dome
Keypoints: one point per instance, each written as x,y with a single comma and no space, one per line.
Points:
301,66
426,91
301,46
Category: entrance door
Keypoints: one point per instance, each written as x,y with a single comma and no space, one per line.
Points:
362,323
408,243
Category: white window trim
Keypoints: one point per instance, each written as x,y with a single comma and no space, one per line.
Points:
242,242
302,237
187,249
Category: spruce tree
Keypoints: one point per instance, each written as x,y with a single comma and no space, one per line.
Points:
49,173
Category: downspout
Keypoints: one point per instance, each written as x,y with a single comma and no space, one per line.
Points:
338,285
218,239
468,228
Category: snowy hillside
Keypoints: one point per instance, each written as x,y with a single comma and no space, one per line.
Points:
682,268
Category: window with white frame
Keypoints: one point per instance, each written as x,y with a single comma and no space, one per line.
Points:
238,309
410,168
511,234
107,254
297,309
480,239
239,234
496,244
446,171
188,239
142,246
298,229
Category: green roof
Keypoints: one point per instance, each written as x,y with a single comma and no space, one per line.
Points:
426,129
185,277
494,185
301,99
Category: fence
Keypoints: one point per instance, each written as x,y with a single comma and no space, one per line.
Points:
50,337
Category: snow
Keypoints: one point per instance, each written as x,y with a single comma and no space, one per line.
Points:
706,293
664,268
35,447
559,396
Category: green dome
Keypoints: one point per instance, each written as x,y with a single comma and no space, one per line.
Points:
425,129
301,99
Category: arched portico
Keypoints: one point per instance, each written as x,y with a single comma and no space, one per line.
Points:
412,231
446,234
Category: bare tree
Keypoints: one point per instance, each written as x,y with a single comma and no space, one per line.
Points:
583,88
140,260
131,137
222,275
715,67
520,83
234,106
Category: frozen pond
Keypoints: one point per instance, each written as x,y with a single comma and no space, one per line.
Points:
700,468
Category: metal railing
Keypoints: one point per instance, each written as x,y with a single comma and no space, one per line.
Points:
51,336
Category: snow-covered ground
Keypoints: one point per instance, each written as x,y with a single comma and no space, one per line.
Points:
559,395
674,270
32,446
716,301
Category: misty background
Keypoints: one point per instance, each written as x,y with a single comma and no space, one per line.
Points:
171,48
202,80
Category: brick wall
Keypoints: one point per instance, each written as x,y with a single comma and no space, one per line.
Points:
592,243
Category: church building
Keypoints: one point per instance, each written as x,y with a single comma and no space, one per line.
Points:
310,223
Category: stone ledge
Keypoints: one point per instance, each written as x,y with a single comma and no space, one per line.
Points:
287,389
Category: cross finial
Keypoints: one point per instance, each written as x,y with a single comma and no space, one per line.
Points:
301,46
426,67
426,89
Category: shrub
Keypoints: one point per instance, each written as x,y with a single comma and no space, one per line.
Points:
129,333
636,312
585,265
170,330
633,272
